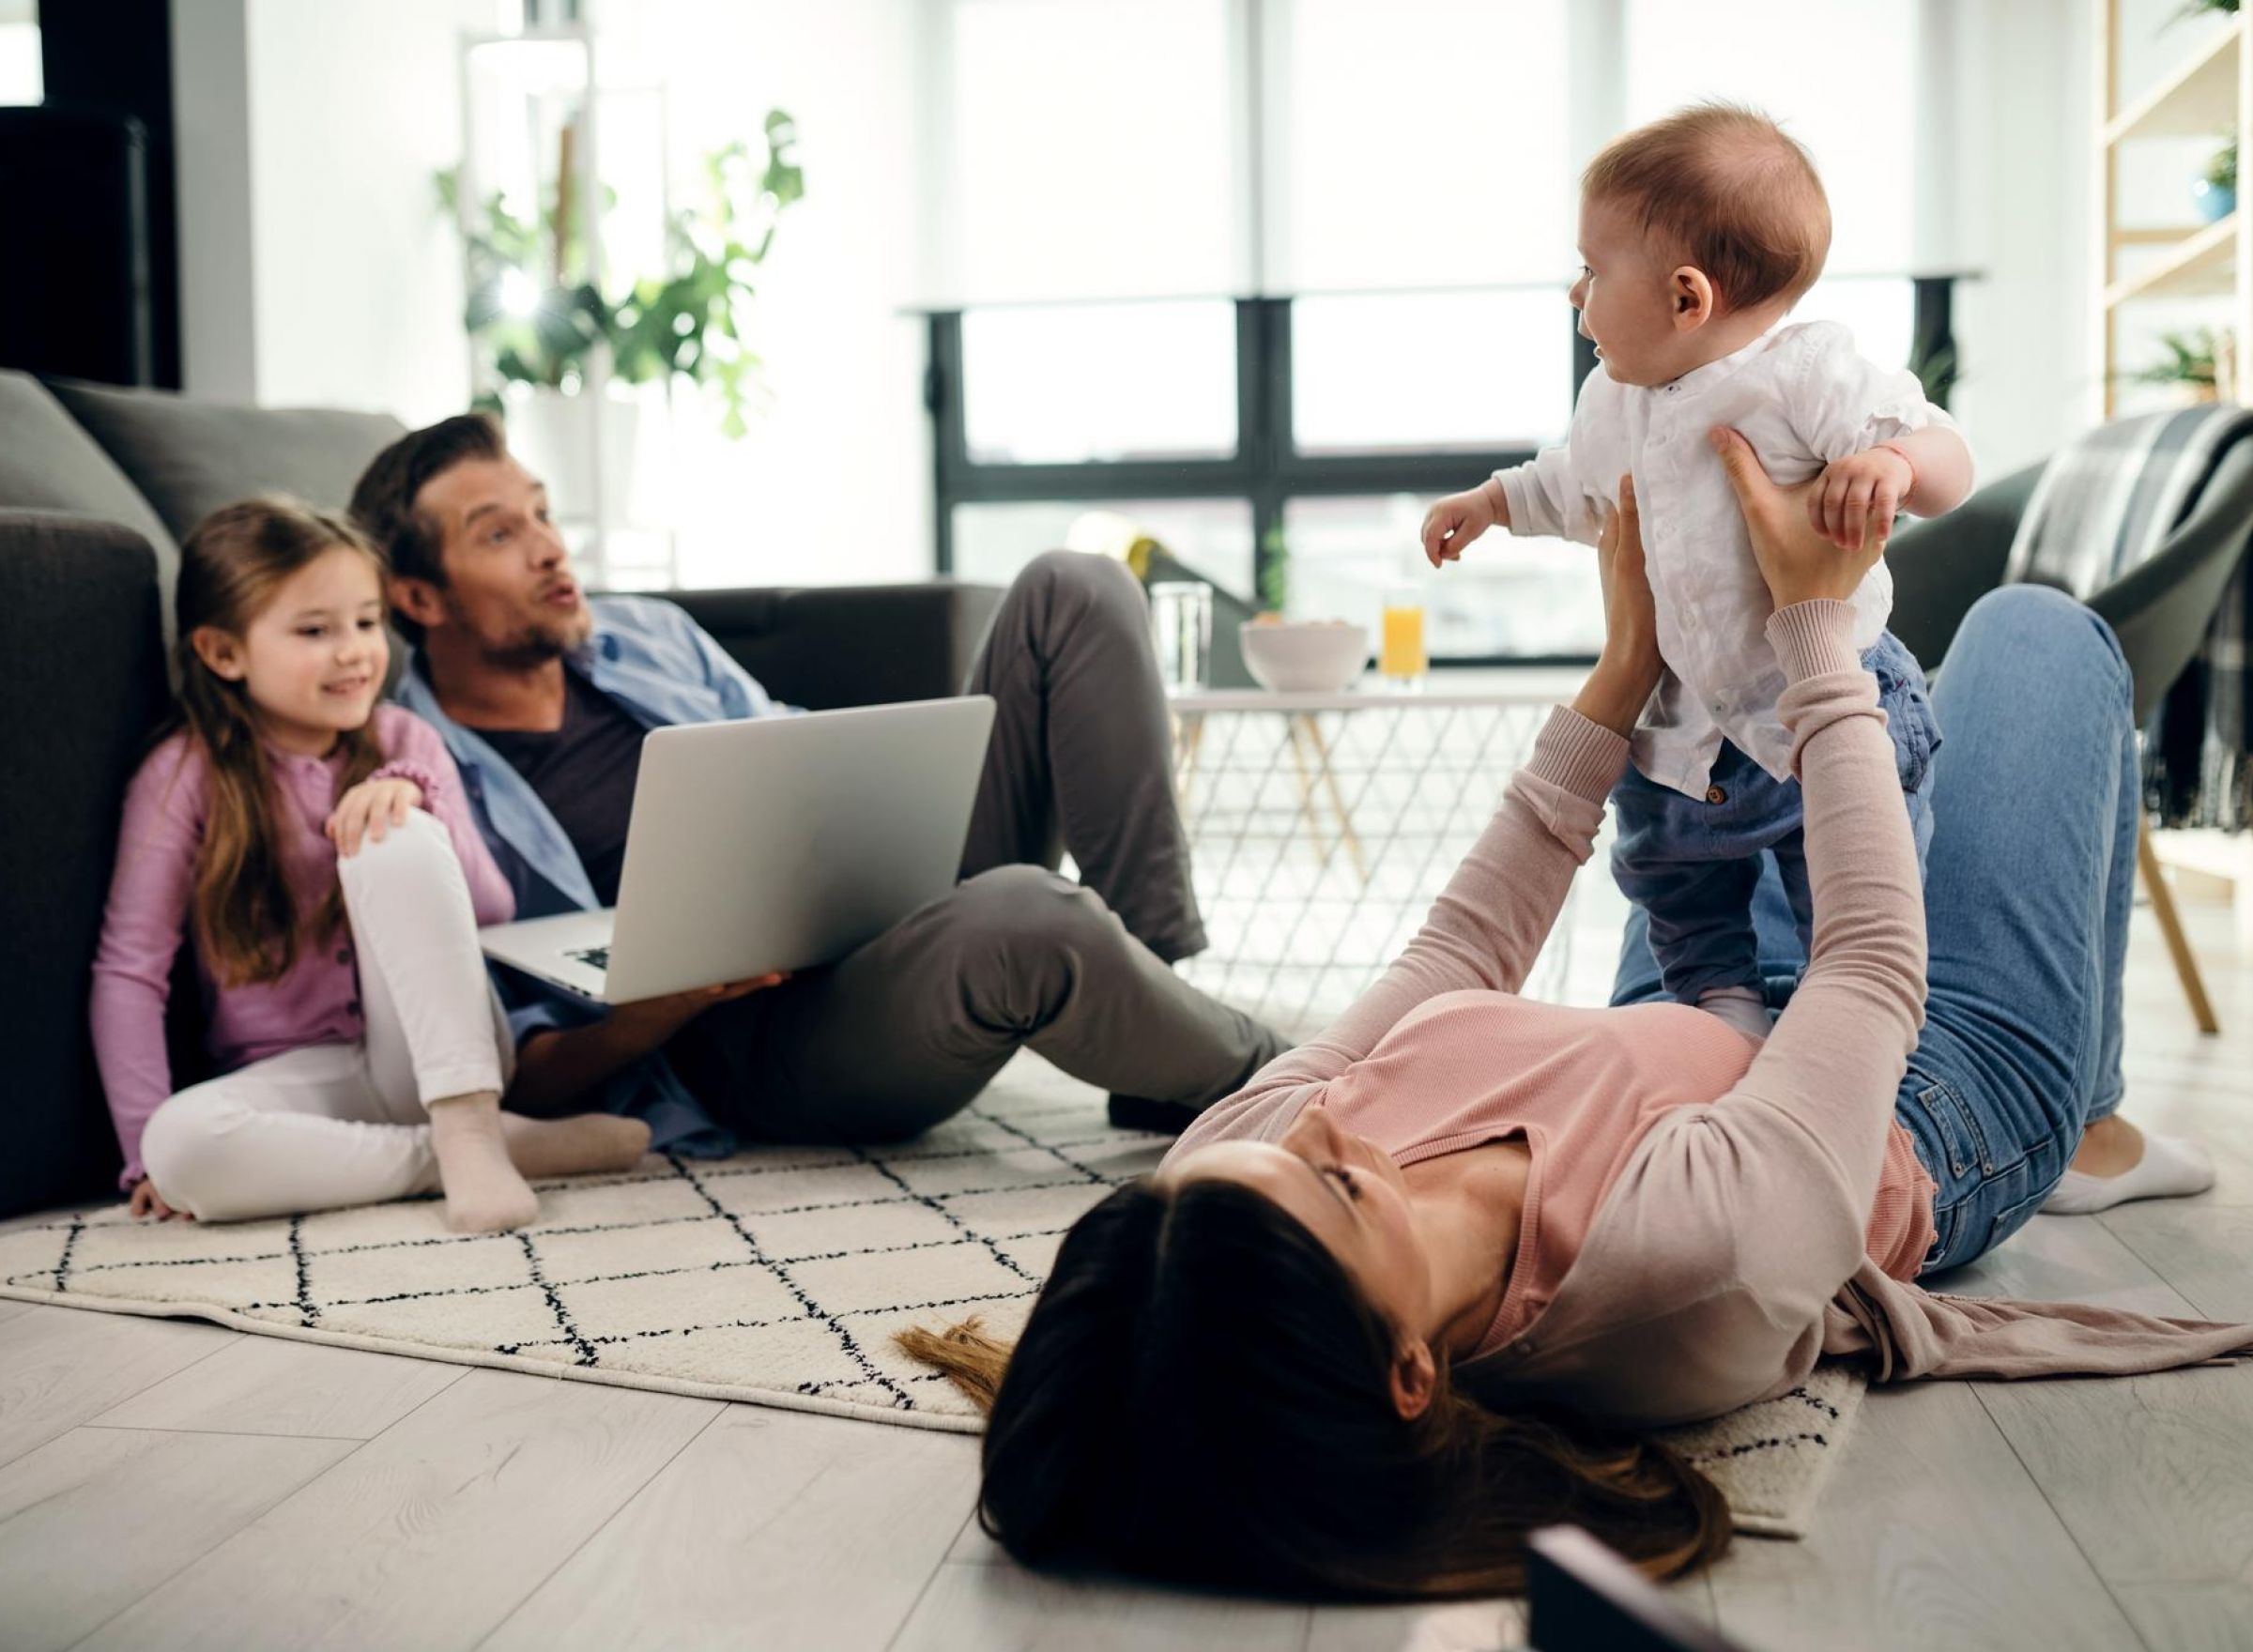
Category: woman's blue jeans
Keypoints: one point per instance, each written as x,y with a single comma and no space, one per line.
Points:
2027,896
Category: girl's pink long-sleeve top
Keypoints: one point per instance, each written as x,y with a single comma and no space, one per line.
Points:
317,1002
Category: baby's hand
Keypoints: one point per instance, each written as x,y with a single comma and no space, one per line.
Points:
373,807
1858,495
1454,521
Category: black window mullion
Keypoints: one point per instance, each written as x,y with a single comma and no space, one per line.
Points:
1932,337
1264,405
1267,470
950,445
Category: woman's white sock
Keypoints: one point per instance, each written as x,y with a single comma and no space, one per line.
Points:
2170,1168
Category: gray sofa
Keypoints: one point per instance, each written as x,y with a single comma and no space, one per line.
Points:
98,487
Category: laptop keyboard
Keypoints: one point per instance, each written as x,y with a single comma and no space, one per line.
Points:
596,957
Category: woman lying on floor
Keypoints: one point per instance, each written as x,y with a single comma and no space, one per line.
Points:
1344,1339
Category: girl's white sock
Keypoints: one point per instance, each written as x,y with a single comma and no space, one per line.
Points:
485,1192
2170,1168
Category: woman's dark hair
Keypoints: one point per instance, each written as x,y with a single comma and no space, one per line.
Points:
1201,1394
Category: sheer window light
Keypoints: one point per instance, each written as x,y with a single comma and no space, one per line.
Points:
1066,384
23,80
1841,75
1091,151
1430,370
1417,143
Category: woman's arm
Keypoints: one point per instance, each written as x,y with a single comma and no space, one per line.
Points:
1807,1125
1490,922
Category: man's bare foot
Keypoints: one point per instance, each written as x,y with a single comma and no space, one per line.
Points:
485,1192
578,1145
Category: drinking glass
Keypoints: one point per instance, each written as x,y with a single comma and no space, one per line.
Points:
1181,627
1402,655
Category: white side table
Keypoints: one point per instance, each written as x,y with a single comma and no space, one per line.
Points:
1325,825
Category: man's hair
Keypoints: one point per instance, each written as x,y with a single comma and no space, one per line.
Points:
383,505
1730,190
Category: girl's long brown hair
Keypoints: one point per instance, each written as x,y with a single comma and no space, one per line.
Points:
246,919
1200,1395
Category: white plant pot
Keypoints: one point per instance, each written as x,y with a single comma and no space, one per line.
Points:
622,458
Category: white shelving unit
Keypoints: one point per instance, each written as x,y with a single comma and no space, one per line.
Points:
2209,94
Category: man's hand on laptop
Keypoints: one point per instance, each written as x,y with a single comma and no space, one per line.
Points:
557,1067
650,1021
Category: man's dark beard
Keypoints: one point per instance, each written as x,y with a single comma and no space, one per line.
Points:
527,654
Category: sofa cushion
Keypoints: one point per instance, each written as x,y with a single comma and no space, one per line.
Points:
191,457
80,666
48,463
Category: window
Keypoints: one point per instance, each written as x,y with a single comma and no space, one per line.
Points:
1784,58
23,80
1431,372
1398,139
1212,538
1089,149
1351,231
1070,383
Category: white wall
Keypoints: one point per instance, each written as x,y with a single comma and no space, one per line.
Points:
833,482
2023,113
318,268
353,105
212,139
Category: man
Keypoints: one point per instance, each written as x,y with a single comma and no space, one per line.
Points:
543,694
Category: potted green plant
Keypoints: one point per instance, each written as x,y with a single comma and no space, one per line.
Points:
2216,193
2200,359
538,328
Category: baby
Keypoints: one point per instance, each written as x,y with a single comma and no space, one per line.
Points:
1697,234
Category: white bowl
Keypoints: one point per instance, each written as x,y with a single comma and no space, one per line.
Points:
1304,656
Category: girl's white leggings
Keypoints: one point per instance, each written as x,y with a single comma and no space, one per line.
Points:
334,1124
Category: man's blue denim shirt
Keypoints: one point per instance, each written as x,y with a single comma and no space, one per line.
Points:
662,669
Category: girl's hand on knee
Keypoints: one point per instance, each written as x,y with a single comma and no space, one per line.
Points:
147,1202
369,809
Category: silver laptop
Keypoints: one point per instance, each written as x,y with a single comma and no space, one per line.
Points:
775,843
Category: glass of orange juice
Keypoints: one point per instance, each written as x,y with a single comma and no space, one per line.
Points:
1402,655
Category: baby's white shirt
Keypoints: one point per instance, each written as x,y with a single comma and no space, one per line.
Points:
1804,397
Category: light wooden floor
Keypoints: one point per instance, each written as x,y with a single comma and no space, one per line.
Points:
169,1484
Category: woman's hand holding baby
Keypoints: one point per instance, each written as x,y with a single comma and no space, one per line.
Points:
1798,563
1628,667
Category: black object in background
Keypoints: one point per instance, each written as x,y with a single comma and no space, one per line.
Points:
1581,1597
116,55
74,292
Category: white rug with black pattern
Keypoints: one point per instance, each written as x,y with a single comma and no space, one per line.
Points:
777,1278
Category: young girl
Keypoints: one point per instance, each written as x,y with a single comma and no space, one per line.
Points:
317,847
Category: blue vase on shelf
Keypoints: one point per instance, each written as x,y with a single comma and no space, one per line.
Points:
2215,200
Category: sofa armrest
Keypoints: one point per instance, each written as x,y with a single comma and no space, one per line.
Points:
81,670
823,647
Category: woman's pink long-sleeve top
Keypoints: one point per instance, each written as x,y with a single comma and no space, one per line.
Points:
1724,1221
166,807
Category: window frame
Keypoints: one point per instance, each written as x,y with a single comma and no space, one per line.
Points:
1267,470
